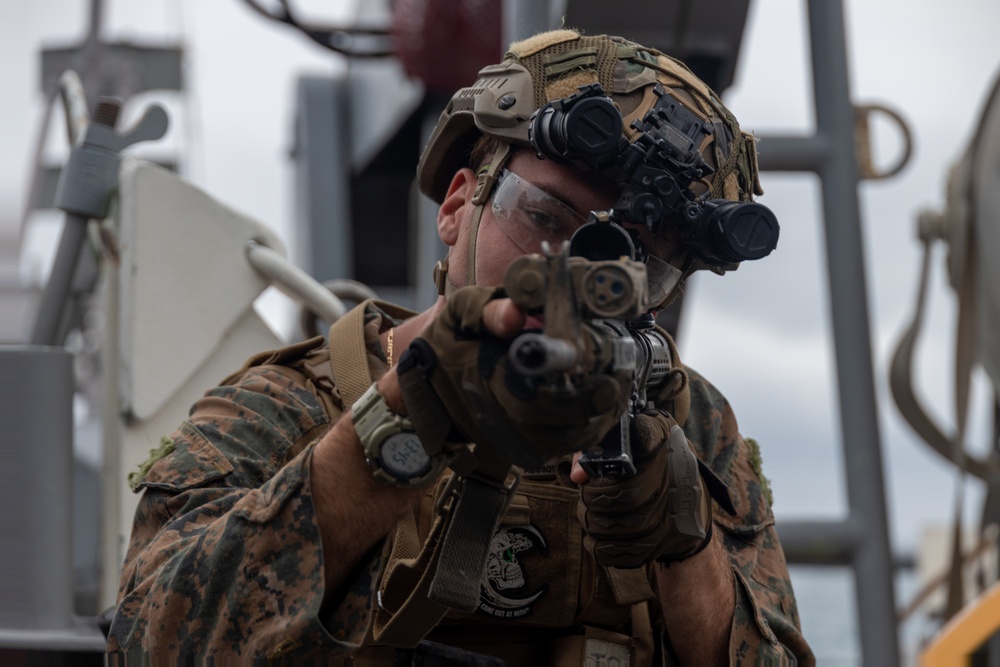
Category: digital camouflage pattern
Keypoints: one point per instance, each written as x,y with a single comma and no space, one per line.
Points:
766,626
225,558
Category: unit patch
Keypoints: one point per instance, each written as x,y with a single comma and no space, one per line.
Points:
505,590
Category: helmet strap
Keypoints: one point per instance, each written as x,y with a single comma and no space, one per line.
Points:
477,215
484,188
488,175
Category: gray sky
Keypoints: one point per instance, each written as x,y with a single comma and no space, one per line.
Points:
934,67
761,334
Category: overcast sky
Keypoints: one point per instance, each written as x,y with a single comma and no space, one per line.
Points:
761,334
935,68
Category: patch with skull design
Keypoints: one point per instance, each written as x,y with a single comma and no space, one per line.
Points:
506,590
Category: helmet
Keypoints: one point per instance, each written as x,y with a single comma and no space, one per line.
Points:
512,102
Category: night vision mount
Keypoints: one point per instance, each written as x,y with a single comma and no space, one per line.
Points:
654,173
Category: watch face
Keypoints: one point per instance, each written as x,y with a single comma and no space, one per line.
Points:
403,456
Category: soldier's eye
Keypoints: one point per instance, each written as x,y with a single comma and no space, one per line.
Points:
508,555
544,219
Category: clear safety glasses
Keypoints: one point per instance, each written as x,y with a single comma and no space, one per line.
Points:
528,215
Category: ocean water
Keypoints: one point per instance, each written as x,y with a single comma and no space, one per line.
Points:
826,599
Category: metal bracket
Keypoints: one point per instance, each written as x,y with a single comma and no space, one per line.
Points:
84,192
862,141
91,173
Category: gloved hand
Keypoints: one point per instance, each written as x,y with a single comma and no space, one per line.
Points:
661,513
526,422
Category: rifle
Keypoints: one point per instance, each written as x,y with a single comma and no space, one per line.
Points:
594,291
596,320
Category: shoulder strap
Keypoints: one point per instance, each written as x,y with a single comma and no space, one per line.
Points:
348,353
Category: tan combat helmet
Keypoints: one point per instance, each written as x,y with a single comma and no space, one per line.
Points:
553,66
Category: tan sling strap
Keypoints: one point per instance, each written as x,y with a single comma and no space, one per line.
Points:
409,567
405,613
348,354
422,582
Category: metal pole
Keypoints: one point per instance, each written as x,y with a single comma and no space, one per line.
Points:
36,496
820,542
792,153
322,190
848,301
57,289
96,19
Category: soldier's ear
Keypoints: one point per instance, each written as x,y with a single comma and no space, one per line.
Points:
454,208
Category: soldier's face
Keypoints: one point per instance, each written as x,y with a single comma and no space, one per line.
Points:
540,200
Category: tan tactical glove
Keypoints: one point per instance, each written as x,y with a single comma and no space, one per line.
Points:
457,370
662,513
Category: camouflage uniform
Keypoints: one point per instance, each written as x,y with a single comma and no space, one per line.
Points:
225,556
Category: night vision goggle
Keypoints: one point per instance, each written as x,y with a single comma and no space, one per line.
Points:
654,174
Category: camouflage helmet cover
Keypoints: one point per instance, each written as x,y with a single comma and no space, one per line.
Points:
552,66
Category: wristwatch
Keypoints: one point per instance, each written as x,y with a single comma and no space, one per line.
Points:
391,445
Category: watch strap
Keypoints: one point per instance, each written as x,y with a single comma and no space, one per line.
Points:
376,423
